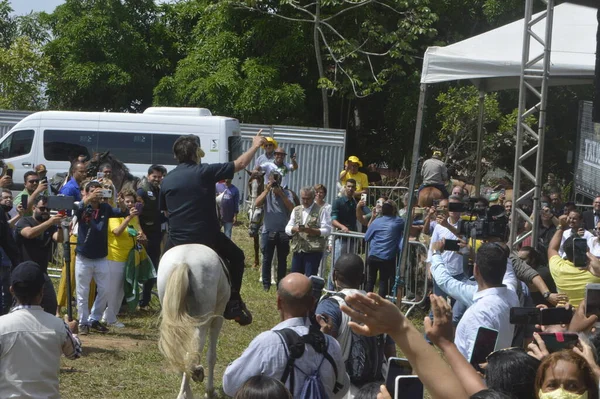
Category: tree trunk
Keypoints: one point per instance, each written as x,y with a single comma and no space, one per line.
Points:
320,64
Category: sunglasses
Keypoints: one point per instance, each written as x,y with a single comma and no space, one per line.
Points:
268,145
33,181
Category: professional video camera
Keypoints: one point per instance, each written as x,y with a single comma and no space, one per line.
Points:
60,204
482,222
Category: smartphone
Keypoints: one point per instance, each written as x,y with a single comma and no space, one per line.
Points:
524,316
99,175
451,245
592,299
558,341
553,316
318,283
24,201
579,252
106,193
301,226
44,180
9,172
485,343
408,387
363,197
292,152
138,207
436,203
396,366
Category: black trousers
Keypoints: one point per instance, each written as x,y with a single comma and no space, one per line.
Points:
387,272
153,251
230,253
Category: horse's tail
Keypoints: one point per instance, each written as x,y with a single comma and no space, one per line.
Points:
178,341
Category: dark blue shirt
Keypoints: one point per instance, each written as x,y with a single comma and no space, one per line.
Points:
384,235
188,194
92,233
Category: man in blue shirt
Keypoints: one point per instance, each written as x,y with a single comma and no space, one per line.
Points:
230,205
78,174
91,252
383,235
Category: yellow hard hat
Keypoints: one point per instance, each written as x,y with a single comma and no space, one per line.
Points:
354,159
270,140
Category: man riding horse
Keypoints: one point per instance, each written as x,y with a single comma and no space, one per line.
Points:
435,174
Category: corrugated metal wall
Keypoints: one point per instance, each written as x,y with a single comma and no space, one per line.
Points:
320,152
10,118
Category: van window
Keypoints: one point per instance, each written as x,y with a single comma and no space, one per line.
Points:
235,147
162,149
18,143
127,147
66,145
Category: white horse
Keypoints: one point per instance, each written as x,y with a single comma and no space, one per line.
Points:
193,288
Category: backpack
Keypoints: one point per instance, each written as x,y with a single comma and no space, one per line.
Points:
313,387
57,181
363,355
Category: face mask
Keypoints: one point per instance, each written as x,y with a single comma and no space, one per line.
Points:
560,393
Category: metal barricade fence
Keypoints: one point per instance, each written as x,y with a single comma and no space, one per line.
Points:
413,281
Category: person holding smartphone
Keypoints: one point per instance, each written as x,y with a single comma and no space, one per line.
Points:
33,188
570,280
308,227
124,235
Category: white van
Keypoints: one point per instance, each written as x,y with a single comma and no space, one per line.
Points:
54,138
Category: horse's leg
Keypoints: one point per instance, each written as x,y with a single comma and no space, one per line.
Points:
185,392
211,354
198,375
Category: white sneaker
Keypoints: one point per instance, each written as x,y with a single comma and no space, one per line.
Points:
117,324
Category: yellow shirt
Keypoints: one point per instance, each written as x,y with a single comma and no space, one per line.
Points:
570,280
362,182
119,246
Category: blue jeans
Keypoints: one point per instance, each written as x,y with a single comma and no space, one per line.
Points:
227,228
306,263
269,241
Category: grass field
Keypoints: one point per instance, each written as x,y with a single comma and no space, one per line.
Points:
126,363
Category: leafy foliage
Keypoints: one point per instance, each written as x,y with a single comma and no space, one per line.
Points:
107,54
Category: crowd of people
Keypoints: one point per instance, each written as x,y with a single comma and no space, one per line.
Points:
333,345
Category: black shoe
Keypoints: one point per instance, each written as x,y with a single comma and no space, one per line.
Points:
237,310
266,287
96,325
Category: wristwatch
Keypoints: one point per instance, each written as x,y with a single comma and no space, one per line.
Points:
546,294
437,252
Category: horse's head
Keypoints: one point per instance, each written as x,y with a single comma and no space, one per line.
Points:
92,166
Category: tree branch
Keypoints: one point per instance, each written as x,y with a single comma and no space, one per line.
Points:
389,7
355,5
245,7
346,41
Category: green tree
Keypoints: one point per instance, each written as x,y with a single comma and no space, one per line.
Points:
107,55
359,46
236,64
23,73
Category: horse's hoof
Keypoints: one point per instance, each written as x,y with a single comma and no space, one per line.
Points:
198,374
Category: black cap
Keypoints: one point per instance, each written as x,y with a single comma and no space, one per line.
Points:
27,278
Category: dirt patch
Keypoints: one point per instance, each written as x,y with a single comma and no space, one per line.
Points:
108,342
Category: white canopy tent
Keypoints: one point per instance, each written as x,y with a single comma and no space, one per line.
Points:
495,60
492,60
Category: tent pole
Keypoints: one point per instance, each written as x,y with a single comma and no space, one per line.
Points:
398,290
479,143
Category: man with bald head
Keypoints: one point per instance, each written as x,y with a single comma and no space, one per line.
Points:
267,354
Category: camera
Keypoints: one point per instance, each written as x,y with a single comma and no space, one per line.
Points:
488,222
276,180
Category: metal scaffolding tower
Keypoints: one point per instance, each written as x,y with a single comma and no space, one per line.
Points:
531,80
